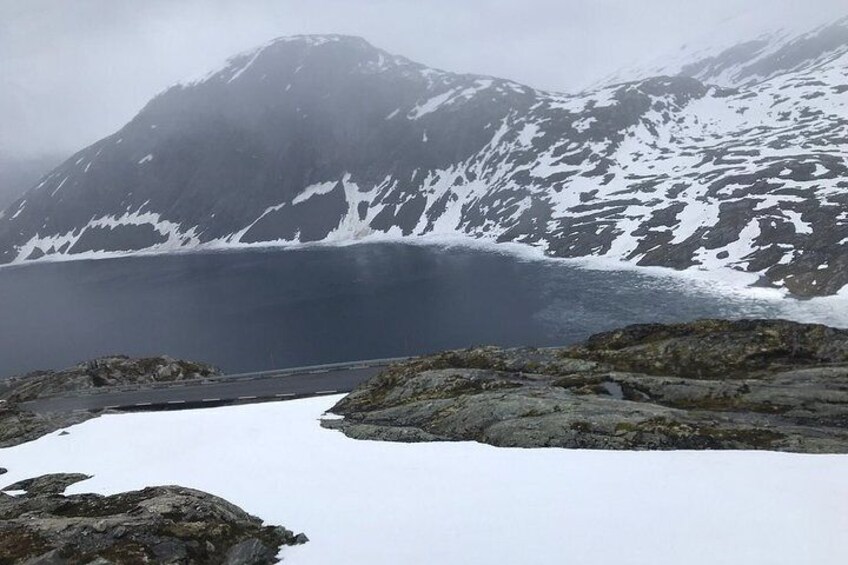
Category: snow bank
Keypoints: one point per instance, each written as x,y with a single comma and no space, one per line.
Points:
464,503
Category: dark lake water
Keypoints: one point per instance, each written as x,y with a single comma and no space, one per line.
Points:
254,310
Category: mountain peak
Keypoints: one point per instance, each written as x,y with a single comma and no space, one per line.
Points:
316,40
298,49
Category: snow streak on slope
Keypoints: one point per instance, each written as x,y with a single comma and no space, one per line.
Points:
461,502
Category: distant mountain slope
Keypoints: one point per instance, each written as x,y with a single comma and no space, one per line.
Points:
758,60
326,138
730,59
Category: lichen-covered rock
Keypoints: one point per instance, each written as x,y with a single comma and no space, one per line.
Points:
18,424
54,483
168,524
712,384
716,348
103,372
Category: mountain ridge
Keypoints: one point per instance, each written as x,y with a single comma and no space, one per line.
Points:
730,62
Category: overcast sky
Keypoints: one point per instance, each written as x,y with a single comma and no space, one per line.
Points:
72,72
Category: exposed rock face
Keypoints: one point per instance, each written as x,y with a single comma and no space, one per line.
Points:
55,483
103,372
168,524
758,384
327,138
18,425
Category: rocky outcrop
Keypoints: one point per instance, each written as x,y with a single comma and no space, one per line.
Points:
712,384
103,372
18,424
54,483
167,524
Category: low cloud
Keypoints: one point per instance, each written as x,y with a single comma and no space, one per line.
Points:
72,72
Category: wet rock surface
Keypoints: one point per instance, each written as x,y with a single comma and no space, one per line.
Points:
167,524
18,424
711,384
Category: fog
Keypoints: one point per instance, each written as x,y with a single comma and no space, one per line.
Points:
72,72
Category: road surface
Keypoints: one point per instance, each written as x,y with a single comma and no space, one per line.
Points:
234,389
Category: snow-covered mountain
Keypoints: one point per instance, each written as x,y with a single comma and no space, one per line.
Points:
749,49
737,162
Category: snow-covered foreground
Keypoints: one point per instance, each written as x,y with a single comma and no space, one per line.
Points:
464,503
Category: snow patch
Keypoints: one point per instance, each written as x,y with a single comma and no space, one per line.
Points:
239,71
313,190
61,184
801,227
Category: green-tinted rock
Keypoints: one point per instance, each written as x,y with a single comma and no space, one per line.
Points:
712,384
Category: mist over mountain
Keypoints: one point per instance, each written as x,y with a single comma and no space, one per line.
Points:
18,174
731,162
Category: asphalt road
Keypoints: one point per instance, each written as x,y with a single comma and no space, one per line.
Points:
240,389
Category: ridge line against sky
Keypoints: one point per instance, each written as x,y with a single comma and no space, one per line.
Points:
74,72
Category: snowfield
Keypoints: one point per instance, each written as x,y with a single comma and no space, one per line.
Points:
464,503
